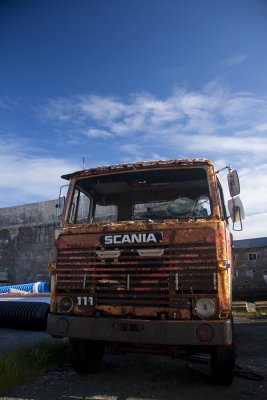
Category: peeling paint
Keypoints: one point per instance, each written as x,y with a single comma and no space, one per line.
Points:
128,281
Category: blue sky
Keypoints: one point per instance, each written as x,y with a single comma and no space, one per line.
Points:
118,80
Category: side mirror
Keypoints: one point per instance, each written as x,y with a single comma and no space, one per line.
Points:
60,206
233,183
236,210
61,200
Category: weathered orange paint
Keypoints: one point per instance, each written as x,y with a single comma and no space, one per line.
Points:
165,287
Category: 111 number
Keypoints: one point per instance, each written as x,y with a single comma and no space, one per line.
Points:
85,301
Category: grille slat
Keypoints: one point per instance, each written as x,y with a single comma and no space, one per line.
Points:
133,280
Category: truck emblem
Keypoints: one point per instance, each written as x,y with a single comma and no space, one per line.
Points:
131,238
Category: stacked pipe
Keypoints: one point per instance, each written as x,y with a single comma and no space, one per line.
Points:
24,314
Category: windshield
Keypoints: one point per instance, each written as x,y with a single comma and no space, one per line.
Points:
180,207
146,195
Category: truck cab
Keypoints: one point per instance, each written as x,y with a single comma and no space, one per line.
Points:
143,259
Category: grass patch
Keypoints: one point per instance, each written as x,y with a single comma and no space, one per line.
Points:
28,362
245,314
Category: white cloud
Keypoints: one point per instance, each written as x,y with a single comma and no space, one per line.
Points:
213,110
133,149
213,122
26,178
2,105
262,128
98,107
254,226
223,144
234,60
97,133
254,188
8,104
59,109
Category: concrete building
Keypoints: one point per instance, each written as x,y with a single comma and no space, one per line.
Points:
250,278
26,240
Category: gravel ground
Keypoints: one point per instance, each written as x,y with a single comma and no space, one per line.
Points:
144,377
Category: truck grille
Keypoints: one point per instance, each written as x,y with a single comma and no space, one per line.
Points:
140,281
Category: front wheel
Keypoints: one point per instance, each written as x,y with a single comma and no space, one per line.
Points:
222,365
86,355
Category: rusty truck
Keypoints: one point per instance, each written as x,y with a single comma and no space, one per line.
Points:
143,262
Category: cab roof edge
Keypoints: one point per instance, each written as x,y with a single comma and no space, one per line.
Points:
138,165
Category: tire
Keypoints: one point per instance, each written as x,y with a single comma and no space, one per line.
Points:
86,355
222,363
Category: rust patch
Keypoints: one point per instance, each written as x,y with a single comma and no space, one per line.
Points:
124,282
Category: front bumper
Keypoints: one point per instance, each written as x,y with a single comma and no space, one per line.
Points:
141,331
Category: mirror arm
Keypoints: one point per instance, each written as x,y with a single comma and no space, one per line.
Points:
222,169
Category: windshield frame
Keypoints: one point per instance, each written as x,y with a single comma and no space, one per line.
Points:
154,188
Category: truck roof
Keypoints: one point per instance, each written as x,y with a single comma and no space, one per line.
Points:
139,165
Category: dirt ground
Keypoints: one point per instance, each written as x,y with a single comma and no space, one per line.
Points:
145,377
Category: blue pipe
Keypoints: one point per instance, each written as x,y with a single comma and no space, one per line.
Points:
36,287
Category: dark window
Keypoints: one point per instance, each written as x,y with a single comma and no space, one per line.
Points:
252,256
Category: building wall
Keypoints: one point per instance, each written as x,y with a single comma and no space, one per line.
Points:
28,214
250,271
26,240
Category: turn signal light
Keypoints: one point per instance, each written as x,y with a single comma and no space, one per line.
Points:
223,264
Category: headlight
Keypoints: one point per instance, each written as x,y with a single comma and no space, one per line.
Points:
65,304
205,307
